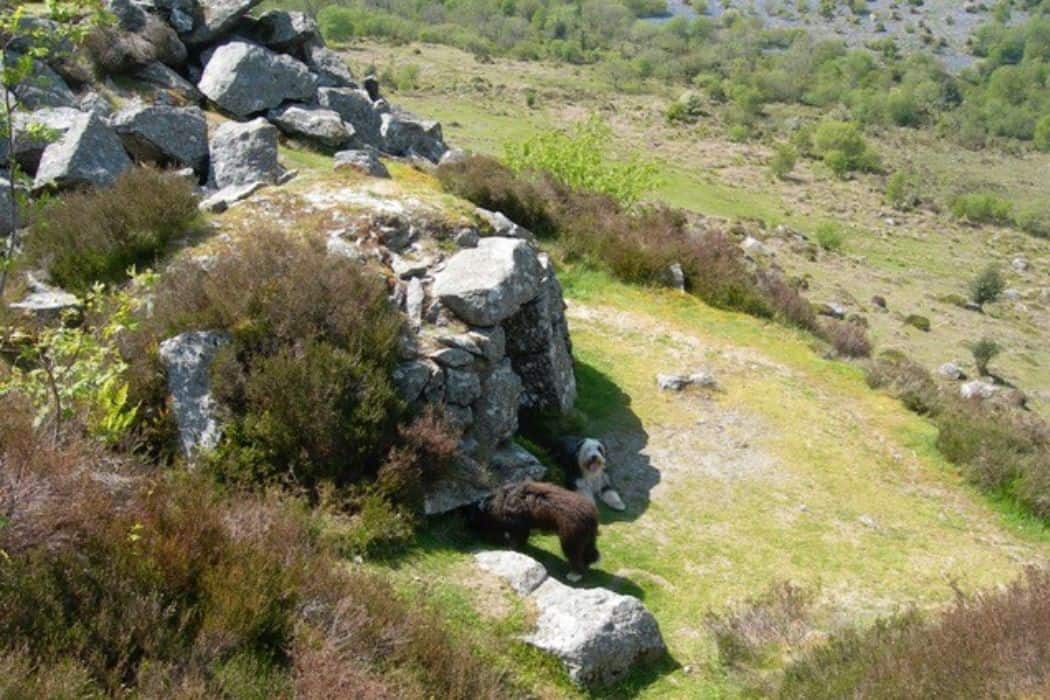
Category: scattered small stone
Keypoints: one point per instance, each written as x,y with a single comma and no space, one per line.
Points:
1019,264
832,310
952,371
679,382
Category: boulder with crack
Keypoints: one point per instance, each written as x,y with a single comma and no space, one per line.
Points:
164,135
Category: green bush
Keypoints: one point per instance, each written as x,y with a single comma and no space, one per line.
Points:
1034,220
829,236
843,148
87,237
917,321
987,286
783,161
982,208
903,190
1042,134
306,377
580,158
984,351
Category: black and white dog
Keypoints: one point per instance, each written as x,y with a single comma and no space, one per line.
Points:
583,461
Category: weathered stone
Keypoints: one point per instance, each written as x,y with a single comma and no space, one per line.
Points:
491,340
364,161
329,66
406,267
245,79
472,481
1020,264
131,16
488,284
410,378
496,412
453,156
220,201
755,248
321,126
598,635
452,357
434,392
180,90
501,225
89,153
978,389
460,417
538,345
44,88
523,573
672,382
216,18
832,310
164,135
466,238
415,297
952,371
187,359
356,109
405,135
43,300
29,150
462,387
286,32
8,219
244,153
674,277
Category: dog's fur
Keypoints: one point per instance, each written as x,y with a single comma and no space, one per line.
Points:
513,511
584,460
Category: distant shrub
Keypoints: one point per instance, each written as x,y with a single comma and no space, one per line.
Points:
1042,134
739,133
907,380
580,158
829,236
903,190
916,321
306,377
783,161
336,23
787,302
1035,220
984,351
490,184
991,644
987,286
843,148
686,109
848,339
85,237
982,208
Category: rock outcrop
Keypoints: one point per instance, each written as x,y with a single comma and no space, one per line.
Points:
164,135
187,359
597,634
246,79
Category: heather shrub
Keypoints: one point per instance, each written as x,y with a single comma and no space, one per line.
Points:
756,630
990,644
490,184
987,286
909,381
982,208
847,338
306,376
916,321
96,235
787,302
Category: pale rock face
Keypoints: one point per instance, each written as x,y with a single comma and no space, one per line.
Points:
89,153
244,153
187,359
321,126
523,573
978,389
488,284
246,79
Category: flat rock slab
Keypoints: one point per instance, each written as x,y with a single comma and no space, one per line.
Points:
597,634
187,359
488,284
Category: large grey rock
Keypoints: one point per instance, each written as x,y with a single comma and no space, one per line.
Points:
216,18
410,378
245,79
164,135
978,389
165,79
355,107
43,88
501,225
329,66
243,153
597,634
364,161
286,32
488,284
496,412
471,481
523,573
89,153
407,135
539,347
187,359
323,127
28,149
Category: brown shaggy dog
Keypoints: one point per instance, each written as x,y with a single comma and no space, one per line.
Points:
512,511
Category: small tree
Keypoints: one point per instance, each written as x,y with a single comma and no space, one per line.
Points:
783,161
984,351
26,40
987,286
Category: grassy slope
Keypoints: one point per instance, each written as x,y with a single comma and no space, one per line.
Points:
795,470
914,262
